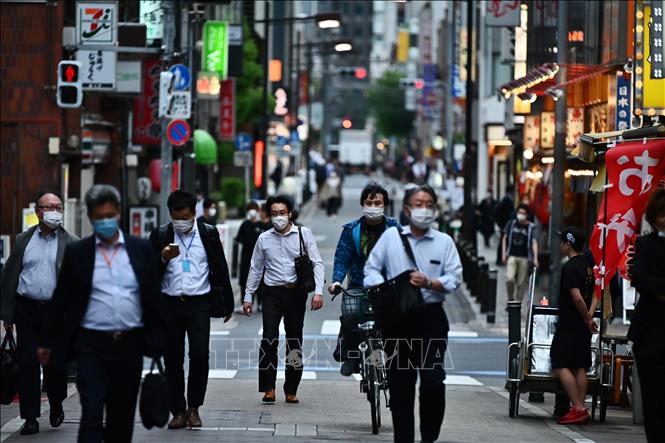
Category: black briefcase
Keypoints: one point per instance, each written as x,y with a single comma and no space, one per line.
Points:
154,401
9,370
304,268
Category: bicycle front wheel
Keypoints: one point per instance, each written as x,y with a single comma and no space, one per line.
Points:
374,397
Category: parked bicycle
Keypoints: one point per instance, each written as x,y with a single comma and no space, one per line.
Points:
358,315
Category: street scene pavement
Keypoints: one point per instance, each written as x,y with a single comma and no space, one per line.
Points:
331,406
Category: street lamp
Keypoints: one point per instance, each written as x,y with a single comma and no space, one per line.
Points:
328,20
343,46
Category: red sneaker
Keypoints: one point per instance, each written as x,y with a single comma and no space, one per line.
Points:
574,417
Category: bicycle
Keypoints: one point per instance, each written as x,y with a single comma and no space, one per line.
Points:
358,313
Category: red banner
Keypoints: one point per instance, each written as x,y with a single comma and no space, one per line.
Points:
147,128
633,170
227,110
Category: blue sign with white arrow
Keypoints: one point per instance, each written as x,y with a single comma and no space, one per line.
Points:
182,76
243,142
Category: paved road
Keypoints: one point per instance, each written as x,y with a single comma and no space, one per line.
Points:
331,406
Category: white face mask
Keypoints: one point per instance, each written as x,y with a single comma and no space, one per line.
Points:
52,219
182,226
521,217
661,233
212,212
252,213
422,217
372,213
280,222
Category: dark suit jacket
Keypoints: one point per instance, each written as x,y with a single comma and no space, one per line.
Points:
12,269
222,302
72,295
648,278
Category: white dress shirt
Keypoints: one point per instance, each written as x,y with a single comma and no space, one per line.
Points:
275,253
176,281
435,253
115,300
38,275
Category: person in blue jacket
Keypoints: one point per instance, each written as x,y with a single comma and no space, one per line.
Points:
355,243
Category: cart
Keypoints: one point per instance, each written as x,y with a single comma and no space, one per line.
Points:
528,360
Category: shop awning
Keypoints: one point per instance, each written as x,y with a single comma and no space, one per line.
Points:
205,147
542,78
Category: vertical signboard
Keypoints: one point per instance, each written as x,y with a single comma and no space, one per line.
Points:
147,129
649,74
151,15
531,131
96,23
547,130
227,110
623,105
235,63
215,53
574,126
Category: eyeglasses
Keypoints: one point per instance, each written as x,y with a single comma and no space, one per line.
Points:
58,208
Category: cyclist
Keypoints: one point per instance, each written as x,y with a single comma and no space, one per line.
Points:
355,243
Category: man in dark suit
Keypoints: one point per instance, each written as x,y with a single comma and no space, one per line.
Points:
106,314
195,286
28,281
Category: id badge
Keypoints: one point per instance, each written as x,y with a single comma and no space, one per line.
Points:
186,265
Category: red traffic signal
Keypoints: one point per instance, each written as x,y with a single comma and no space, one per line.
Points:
360,73
347,124
69,92
69,72
419,83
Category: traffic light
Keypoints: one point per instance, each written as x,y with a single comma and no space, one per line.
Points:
166,88
417,83
347,123
354,72
69,93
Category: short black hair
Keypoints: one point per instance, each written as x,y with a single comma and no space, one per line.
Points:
372,189
655,206
421,188
252,205
208,202
179,200
283,199
43,192
101,194
523,206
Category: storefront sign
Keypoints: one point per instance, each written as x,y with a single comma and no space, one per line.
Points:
547,130
152,15
531,131
143,220
214,56
623,113
96,23
227,110
207,85
147,128
649,59
633,170
98,70
574,126
128,76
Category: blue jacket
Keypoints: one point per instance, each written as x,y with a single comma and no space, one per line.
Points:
348,258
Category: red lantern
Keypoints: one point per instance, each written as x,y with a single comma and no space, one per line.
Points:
155,175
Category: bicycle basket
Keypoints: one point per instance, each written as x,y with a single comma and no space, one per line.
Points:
356,307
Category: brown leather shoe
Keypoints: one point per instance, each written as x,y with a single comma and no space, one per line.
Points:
179,421
291,398
269,396
193,418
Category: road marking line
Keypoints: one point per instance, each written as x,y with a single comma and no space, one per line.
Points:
461,380
358,377
221,332
222,373
330,327
306,375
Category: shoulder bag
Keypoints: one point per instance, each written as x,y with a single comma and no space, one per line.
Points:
154,401
304,267
9,369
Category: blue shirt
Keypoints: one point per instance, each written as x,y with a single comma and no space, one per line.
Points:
115,301
38,274
435,253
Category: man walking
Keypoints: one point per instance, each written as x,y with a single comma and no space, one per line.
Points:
273,258
355,244
520,251
571,346
196,286
106,314
417,342
28,281
502,214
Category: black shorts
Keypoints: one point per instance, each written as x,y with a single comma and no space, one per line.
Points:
571,350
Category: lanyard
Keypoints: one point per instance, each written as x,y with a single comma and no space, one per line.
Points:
108,260
190,243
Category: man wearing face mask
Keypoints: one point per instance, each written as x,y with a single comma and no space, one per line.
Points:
209,212
416,342
248,234
273,265
519,252
106,314
355,244
28,281
196,286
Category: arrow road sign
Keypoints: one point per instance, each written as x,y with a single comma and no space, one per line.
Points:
178,132
243,142
182,76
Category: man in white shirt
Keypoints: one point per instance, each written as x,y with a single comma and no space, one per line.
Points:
416,342
273,258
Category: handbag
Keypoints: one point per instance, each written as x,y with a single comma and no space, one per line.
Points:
395,297
304,267
154,401
9,370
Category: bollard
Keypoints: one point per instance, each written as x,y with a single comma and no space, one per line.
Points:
473,276
482,286
514,325
491,296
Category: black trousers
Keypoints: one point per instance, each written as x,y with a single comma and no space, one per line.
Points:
277,303
29,315
190,316
416,347
108,376
650,358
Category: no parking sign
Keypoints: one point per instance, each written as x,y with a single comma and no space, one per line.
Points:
178,132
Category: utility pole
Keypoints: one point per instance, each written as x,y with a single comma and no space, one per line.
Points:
264,116
166,153
470,153
556,218
450,56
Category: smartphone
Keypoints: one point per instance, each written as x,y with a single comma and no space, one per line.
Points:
174,245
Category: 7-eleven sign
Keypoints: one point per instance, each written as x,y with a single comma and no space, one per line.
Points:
227,110
97,22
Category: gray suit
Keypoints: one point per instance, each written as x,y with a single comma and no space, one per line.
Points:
12,269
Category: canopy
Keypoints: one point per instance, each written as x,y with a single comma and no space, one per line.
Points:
541,78
205,147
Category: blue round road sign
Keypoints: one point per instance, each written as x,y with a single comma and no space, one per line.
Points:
182,76
178,132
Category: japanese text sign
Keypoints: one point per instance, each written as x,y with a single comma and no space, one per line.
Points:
98,69
227,110
623,111
574,126
152,15
214,56
147,129
547,130
531,131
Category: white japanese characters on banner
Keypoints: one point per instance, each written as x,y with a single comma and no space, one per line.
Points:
575,126
152,15
623,108
98,69
96,23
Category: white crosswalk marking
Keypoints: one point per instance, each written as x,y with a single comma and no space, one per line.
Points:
306,375
462,334
330,327
222,373
222,332
462,380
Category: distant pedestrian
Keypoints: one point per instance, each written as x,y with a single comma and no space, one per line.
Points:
520,252
486,212
248,233
332,193
277,175
647,326
417,342
273,266
502,214
28,281
196,286
107,314
570,353
209,212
